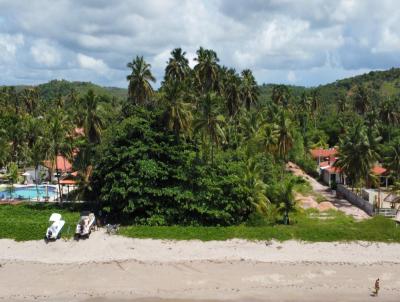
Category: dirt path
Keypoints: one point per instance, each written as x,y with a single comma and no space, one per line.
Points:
341,204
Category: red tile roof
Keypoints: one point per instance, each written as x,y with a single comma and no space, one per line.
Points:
334,170
67,182
378,170
62,164
316,153
324,164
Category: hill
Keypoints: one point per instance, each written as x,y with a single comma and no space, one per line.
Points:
382,83
55,88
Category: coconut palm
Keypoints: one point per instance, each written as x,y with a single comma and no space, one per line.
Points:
92,123
281,95
177,66
268,138
285,137
140,90
257,187
286,199
341,103
210,124
392,160
59,136
178,114
361,100
315,104
249,89
30,97
232,92
206,69
357,154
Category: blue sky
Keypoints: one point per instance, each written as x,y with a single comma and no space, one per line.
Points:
294,42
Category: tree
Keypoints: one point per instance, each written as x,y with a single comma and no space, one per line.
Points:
177,114
392,159
59,135
281,95
92,123
315,104
140,90
232,92
361,99
257,187
206,69
286,199
38,154
249,89
12,175
356,154
285,138
209,123
341,103
177,66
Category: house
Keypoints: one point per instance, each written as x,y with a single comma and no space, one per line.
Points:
61,165
321,155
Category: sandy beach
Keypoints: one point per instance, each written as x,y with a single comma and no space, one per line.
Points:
114,268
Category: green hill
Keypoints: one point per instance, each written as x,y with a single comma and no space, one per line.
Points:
55,88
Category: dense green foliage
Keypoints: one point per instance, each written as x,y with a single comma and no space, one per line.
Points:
209,147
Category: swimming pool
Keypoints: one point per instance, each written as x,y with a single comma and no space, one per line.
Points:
28,192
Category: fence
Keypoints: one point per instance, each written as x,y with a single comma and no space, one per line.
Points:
354,199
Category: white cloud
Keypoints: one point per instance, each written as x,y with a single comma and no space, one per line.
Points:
88,62
45,54
9,45
71,39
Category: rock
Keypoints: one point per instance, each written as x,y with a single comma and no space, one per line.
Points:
326,206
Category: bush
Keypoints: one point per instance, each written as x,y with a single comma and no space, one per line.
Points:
154,178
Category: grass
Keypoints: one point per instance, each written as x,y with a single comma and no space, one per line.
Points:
29,222
333,227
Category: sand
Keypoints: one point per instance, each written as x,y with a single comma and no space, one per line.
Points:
114,268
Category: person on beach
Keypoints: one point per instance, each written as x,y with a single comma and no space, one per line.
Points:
376,287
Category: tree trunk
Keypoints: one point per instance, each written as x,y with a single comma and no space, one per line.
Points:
58,181
36,182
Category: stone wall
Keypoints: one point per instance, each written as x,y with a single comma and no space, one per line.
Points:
354,199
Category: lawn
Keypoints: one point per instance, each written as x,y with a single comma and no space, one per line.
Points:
307,226
29,222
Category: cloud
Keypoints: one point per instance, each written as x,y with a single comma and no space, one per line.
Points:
316,40
88,62
45,54
9,45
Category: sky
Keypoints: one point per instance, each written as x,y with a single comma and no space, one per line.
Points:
292,42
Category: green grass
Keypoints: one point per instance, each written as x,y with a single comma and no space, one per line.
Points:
30,221
334,227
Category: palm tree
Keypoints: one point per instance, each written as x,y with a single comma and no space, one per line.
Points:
268,137
257,187
206,70
361,100
285,138
59,135
341,102
12,175
389,114
357,154
286,199
249,89
177,67
140,90
210,123
92,123
178,112
392,160
315,104
281,95
232,92
38,153
30,97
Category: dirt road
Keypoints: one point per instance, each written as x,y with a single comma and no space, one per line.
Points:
341,204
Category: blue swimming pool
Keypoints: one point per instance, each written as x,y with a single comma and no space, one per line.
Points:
28,192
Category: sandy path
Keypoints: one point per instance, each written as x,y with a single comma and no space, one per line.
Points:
115,267
341,204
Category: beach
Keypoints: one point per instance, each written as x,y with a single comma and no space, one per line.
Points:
114,268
